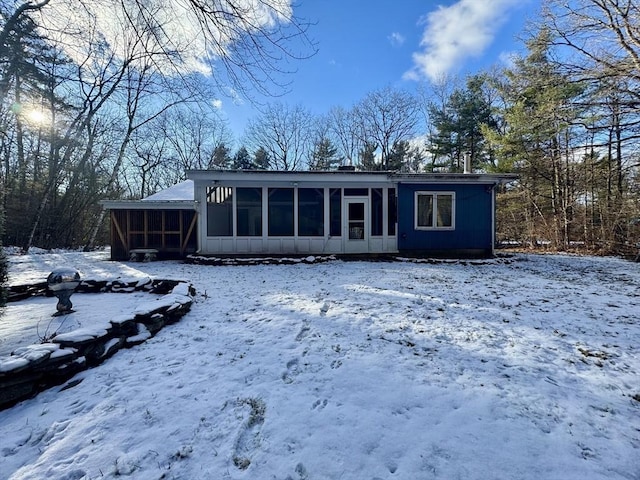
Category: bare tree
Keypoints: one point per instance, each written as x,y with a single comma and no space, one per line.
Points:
602,35
344,126
193,134
128,62
385,117
284,132
598,46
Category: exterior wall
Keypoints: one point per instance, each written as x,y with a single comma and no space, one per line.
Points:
473,232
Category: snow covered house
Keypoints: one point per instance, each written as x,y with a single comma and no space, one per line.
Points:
233,212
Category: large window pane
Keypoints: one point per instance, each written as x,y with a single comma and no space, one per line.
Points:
376,211
445,211
425,211
335,212
310,212
280,212
219,211
249,212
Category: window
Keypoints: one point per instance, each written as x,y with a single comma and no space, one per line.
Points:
434,210
376,212
335,212
280,212
311,212
219,211
356,192
249,212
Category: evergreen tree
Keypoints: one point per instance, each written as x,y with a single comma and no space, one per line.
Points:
242,160
261,159
537,143
458,126
399,156
324,156
221,157
367,157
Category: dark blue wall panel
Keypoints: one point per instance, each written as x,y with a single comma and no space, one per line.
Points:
473,219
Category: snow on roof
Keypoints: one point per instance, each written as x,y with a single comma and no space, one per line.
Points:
182,191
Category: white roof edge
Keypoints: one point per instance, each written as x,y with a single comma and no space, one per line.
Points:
455,177
286,176
345,176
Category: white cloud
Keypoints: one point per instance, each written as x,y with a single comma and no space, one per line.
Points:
508,58
457,32
234,95
176,22
217,104
396,39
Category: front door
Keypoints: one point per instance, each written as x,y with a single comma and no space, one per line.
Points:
356,225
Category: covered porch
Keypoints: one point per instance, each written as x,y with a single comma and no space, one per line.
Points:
280,213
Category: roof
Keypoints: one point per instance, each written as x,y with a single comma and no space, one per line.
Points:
347,176
286,175
177,197
454,177
181,191
181,195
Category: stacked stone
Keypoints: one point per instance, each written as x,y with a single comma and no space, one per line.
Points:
29,370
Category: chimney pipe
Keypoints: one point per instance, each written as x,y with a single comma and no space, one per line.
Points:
467,163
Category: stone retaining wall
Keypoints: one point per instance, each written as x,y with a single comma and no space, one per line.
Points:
21,292
29,370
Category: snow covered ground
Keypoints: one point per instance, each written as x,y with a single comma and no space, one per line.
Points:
518,368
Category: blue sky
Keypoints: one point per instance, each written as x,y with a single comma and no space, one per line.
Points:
364,45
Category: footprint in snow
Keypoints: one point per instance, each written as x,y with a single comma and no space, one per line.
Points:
293,369
319,404
304,331
249,438
301,473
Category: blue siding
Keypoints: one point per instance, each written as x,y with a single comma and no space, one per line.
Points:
473,220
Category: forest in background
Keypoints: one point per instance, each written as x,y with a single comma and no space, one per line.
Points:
79,129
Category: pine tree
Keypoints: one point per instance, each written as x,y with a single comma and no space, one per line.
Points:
324,156
367,156
537,142
459,124
399,156
261,159
242,160
221,157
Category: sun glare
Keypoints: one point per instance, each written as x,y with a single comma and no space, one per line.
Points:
38,117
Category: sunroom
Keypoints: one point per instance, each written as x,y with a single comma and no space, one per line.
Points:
262,212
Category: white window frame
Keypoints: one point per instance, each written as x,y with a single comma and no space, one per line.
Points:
434,224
